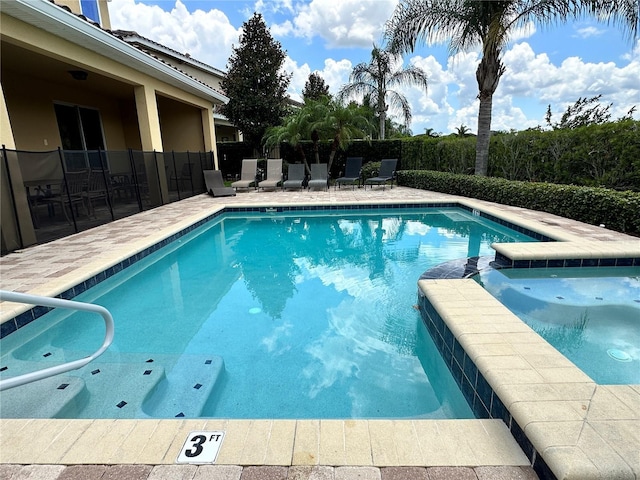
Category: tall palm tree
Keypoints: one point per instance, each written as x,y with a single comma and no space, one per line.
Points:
378,78
469,23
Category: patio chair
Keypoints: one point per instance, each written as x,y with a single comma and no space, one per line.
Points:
215,184
386,173
248,174
295,176
274,174
71,192
319,176
98,188
351,172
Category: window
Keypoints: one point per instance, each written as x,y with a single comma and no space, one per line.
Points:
90,9
81,135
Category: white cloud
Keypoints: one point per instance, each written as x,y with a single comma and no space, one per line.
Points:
206,36
273,6
590,31
336,73
299,78
348,23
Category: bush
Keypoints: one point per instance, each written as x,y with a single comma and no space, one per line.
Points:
593,205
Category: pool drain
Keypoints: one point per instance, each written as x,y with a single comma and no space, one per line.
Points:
619,355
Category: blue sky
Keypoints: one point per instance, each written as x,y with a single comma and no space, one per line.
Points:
551,66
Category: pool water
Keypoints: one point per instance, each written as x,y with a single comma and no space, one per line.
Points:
591,315
302,315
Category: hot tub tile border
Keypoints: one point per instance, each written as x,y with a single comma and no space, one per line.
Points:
480,396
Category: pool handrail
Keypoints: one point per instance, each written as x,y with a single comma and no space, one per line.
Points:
57,303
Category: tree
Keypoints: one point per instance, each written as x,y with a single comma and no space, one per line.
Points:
341,124
295,128
586,111
462,131
488,24
378,78
315,88
254,83
323,119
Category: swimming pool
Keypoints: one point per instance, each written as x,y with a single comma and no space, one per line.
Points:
591,315
298,315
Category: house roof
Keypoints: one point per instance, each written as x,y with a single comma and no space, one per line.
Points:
57,20
146,44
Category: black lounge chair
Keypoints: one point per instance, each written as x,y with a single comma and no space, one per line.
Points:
215,184
295,176
351,172
319,176
386,173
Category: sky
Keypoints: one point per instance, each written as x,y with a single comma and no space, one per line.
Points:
545,66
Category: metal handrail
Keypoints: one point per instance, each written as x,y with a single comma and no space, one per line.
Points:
57,303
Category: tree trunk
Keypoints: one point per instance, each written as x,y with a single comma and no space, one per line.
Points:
334,148
488,75
382,124
304,157
484,133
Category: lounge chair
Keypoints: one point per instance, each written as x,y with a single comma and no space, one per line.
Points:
386,173
215,184
248,174
319,176
295,176
274,174
351,172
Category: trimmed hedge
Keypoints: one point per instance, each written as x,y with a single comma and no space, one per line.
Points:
617,210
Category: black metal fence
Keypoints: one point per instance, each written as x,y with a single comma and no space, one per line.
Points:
69,191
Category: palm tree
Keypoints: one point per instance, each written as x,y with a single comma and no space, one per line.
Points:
468,23
296,127
341,124
462,130
317,120
378,78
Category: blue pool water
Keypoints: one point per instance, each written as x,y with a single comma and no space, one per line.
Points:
303,315
591,315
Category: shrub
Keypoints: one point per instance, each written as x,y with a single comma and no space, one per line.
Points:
593,205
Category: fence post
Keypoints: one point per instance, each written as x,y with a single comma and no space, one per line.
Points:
107,183
175,174
155,159
13,197
66,187
190,171
136,180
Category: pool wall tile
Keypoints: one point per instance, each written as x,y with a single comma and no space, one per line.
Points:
482,399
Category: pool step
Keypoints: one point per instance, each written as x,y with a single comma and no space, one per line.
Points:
55,397
187,387
117,385
117,390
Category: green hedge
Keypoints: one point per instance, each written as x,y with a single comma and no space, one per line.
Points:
617,210
606,155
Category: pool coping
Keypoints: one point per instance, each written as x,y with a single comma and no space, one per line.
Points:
566,424
532,423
